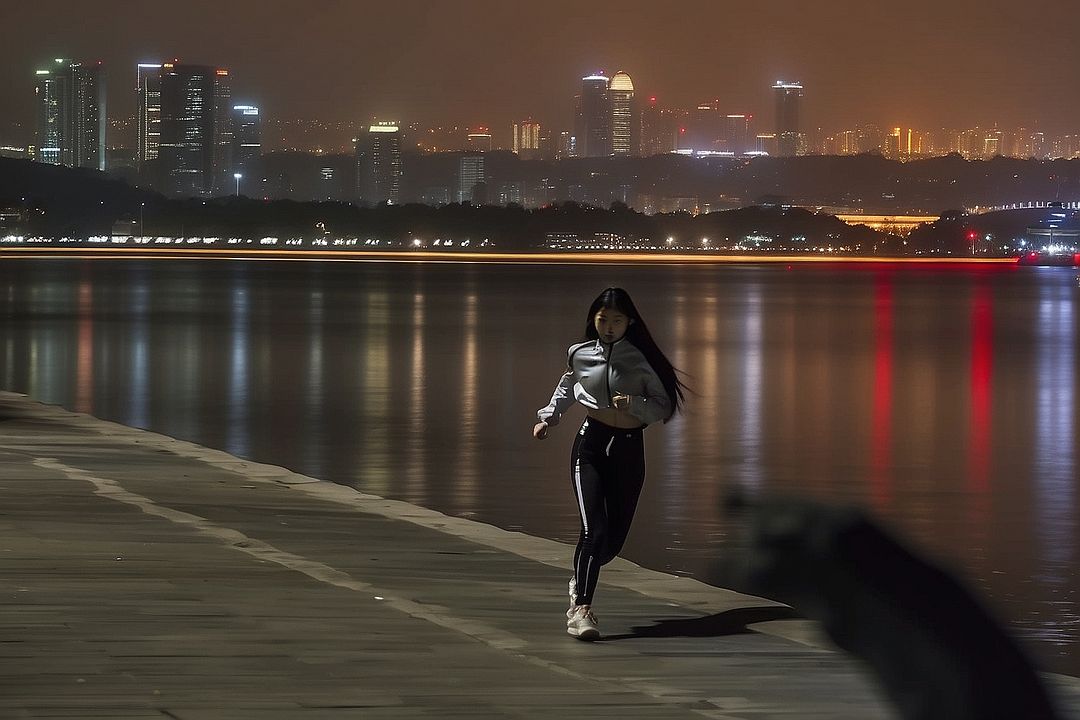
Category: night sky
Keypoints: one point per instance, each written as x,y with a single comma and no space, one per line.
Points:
956,63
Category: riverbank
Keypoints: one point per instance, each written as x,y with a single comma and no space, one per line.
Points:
149,577
602,258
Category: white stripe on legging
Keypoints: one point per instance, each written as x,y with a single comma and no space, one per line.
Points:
580,497
585,582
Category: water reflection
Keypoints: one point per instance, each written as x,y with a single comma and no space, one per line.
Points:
137,412
374,398
674,437
881,493
84,364
1055,432
749,473
415,448
315,393
464,477
237,430
981,384
946,401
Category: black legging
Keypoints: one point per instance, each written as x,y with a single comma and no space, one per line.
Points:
607,470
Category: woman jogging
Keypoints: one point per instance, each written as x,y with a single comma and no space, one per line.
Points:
625,382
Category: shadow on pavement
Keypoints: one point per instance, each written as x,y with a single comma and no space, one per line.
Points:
731,622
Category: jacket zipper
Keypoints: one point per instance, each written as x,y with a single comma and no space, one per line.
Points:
607,372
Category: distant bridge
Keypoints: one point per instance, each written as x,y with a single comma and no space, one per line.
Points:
1049,204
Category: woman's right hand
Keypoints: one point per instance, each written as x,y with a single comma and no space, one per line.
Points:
540,430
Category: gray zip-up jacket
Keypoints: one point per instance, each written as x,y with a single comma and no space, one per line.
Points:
597,372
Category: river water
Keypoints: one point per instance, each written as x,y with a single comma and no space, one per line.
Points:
942,399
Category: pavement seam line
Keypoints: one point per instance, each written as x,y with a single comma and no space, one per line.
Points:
493,637
261,550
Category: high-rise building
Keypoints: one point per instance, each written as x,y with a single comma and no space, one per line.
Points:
788,136
625,123
51,91
594,117
148,87
659,129
737,133
479,140
196,137
526,138
246,137
705,128
379,166
994,144
472,181
88,117
862,139
766,144
710,129
566,145
71,115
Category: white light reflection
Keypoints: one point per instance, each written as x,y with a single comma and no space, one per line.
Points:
138,410
416,455
466,495
1055,438
674,435
749,472
314,394
45,352
374,460
237,435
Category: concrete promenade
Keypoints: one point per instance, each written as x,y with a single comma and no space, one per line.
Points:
145,577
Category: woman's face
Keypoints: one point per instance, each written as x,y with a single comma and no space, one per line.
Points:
610,324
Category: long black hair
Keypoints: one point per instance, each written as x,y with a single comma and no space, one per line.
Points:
614,298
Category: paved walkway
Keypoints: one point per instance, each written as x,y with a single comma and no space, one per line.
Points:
144,577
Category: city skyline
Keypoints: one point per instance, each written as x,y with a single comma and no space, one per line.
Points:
609,119
708,127
933,65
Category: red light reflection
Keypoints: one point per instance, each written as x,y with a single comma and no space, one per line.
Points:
881,434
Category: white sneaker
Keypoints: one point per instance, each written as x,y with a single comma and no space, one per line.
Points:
582,624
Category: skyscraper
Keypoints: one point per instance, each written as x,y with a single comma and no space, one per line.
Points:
788,136
705,128
246,137
737,133
148,87
659,129
472,181
88,117
526,138
625,124
50,90
379,168
594,118
196,138
479,140
71,115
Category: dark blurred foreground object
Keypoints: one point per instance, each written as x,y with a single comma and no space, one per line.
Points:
934,648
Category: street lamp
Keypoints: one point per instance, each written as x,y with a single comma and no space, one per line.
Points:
237,176
142,230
